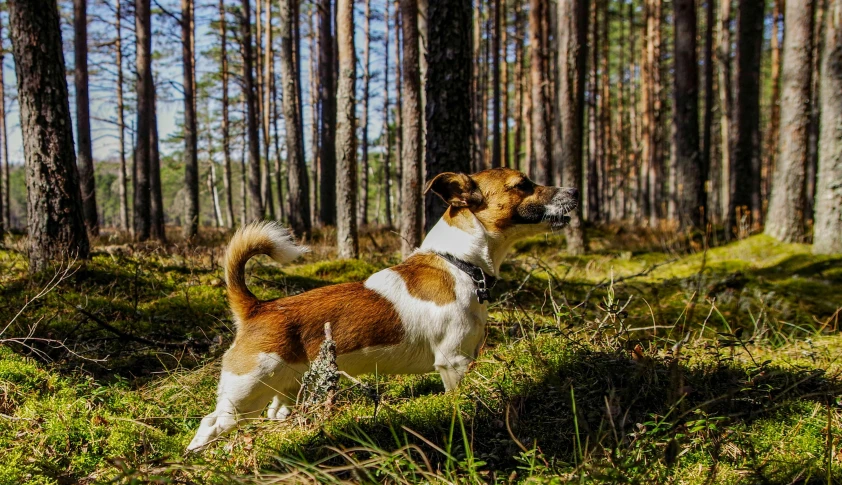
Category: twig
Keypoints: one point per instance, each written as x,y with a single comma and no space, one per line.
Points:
124,335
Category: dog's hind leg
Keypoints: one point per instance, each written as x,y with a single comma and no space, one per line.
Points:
243,396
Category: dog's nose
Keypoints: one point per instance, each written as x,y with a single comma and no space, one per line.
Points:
573,193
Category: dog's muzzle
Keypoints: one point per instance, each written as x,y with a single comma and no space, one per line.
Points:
563,202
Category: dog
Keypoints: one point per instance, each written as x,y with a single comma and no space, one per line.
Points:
426,314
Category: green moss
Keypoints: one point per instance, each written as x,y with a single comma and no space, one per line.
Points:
757,372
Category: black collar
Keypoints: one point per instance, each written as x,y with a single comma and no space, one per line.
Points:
482,280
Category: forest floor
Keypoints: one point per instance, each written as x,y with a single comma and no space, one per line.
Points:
650,359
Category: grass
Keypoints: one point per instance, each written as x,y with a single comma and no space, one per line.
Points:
649,359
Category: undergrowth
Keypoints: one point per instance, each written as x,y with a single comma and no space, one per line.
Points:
643,361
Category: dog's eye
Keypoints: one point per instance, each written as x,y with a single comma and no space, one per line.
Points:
525,185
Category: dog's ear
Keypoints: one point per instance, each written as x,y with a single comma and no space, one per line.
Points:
457,189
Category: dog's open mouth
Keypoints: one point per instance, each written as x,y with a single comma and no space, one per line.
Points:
560,222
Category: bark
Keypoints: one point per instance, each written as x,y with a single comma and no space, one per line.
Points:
606,138
226,137
827,235
690,195
327,98
519,89
347,239
572,60
495,100
725,108
504,43
266,112
815,115
190,227
770,148
257,210
156,202
5,198
54,199
298,194
593,130
652,155
399,164
386,135
744,211
412,210
448,110
145,103
363,203
84,151
634,125
214,192
785,219
707,122
423,42
314,119
121,119
540,130
478,152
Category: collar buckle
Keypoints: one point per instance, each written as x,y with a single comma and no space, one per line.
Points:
482,281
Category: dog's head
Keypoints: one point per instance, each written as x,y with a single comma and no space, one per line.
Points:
504,201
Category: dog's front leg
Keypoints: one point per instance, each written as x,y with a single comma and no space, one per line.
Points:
452,368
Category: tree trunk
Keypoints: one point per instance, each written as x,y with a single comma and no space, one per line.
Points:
5,198
121,120
386,136
572,61
504,42
606,138
710,208
540,130
347,240
363,216
495,101
744,211
412,211
399,163
519,89
652,155
226,137
815,114
448,96
593,130
827,236
770,146
315,108
299,203
257,210
190,227
690,194
268,76
785,219
54,199
478,152
725,110
327,98
145,105
84,152
156,202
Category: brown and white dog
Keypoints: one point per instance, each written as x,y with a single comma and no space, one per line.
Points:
426,314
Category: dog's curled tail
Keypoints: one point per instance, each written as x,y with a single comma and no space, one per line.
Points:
268,238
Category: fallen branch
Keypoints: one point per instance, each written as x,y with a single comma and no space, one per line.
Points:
127,336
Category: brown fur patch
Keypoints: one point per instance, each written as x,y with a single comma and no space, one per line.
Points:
428,278
502,197
293,327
